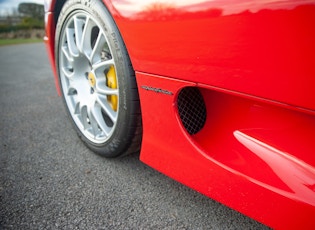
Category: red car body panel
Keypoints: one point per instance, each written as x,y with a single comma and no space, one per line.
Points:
254,65
271,47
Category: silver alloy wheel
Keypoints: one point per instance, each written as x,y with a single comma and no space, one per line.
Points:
88,77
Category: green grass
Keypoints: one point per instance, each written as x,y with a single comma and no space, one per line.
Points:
4,42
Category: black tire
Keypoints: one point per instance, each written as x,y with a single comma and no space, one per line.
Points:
86,112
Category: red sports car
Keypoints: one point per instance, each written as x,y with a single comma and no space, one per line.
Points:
217,94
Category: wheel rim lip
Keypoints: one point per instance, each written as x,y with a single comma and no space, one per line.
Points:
71,101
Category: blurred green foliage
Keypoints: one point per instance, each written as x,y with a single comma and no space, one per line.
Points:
32,23
30,16
32,10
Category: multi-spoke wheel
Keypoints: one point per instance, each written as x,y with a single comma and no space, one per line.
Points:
97,80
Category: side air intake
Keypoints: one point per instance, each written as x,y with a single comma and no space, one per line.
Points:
192,109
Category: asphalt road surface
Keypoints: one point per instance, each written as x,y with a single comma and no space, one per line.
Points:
50,180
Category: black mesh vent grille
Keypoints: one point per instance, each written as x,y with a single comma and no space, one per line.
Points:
191,109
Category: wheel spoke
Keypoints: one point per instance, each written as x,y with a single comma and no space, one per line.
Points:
77,108
93,121
84,117
102,64
97,114
71,43
102,101
78,25
67,73
86,37
66,53
101,88
99,44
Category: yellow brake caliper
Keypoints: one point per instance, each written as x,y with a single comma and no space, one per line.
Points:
112,83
